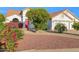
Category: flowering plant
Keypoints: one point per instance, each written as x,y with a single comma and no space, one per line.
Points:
9,38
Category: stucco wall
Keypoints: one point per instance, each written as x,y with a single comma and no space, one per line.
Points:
10,18
24,15
61,18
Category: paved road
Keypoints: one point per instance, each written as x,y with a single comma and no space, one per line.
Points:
35,41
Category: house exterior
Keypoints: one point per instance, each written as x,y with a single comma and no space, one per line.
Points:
65,17
11,14
20,15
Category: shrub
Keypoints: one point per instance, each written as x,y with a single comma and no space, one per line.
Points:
2,26
10,36
39,18
2,18
12,24
19,33
76,26
60,28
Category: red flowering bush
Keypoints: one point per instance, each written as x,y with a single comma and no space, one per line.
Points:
9,37
13,24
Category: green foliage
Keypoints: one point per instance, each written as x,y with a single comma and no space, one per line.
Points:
19,33
39,18
76,26
2,26
10,36
10,45
60,28
2,18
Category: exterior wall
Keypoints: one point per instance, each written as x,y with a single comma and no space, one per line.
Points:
67,24
10,18
21,18
62,19
24,15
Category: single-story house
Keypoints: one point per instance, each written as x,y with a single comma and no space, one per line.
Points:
65,17
20,15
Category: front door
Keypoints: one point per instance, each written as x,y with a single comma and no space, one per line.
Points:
27,24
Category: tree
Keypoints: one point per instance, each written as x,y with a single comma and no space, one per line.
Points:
2,18
60,28
39,18
76,25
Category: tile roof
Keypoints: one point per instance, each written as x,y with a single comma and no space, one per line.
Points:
56,13
12,12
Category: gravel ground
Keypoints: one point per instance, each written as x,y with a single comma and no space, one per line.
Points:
52,50
48,42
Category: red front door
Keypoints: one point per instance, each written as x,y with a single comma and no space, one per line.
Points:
27,24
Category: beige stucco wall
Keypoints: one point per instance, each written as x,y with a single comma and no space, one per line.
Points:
10,18
61,18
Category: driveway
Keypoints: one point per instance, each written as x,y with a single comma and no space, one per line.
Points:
45,41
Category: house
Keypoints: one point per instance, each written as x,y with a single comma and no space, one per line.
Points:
11,14
65,17
20,15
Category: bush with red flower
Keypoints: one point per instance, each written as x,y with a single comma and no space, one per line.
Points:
9,38
9,35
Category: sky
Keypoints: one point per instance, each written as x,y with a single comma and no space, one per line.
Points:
74,10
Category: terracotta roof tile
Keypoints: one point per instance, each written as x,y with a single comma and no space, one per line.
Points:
12,12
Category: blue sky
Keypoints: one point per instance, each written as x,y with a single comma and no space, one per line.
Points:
74,10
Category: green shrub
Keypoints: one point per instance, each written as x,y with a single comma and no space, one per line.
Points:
2,26
39,18
19,33
2,18
76,26
60,28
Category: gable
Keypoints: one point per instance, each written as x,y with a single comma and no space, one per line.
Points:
62,17
70,14
65,15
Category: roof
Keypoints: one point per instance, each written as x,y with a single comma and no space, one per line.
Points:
62,11
12,12
56,13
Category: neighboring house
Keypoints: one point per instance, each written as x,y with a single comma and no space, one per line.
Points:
65,17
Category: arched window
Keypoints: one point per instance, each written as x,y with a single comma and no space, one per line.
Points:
15,20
